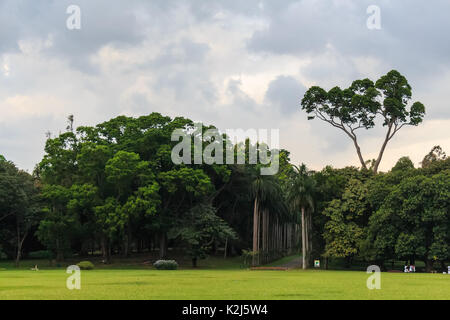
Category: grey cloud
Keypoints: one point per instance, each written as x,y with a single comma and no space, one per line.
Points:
24,144
409,29
182,52
285,93
102,22
240,99
182,76
412,40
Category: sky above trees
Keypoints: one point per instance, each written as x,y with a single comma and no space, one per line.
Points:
234,64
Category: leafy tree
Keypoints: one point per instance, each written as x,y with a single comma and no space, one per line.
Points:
403,164
198,229
56,229
181,189
358,106
83,199
345,231
413,222
436,154
111,220
19,204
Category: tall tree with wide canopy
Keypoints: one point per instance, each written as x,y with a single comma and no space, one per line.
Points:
358,107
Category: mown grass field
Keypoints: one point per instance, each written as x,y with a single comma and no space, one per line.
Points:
217,280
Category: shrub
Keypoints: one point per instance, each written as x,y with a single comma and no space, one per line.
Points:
3,255
42,254
86,265
166,265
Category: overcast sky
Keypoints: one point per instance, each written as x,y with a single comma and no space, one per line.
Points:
231,63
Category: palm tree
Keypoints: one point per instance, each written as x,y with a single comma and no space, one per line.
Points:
268,206
301,198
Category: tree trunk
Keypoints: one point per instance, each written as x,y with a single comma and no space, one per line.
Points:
108,251
103,245
127,244
307,239
59,253
310,240
162,245
428,265
20,241
383,148
303,240
358,151
226,248
255,232
264,237
194,262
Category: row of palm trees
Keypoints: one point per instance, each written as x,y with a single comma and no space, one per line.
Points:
282,215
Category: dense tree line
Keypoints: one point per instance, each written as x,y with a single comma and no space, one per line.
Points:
401,215
113,189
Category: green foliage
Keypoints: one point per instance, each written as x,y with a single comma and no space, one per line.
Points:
199,229
413,222
115,187
166,265
86,265
42,254
57,227
248,256
302,190
403,164
344,232
20,208
436,154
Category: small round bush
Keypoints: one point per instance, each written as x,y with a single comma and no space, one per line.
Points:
166,265
86,265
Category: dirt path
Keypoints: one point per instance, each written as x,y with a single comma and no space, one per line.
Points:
293,264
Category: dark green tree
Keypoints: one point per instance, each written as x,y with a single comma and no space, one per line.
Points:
199,229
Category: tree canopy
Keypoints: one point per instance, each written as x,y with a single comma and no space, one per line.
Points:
358,107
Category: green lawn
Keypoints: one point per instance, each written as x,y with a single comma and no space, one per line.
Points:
228,282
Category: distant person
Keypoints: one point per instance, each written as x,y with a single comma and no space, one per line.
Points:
406,268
